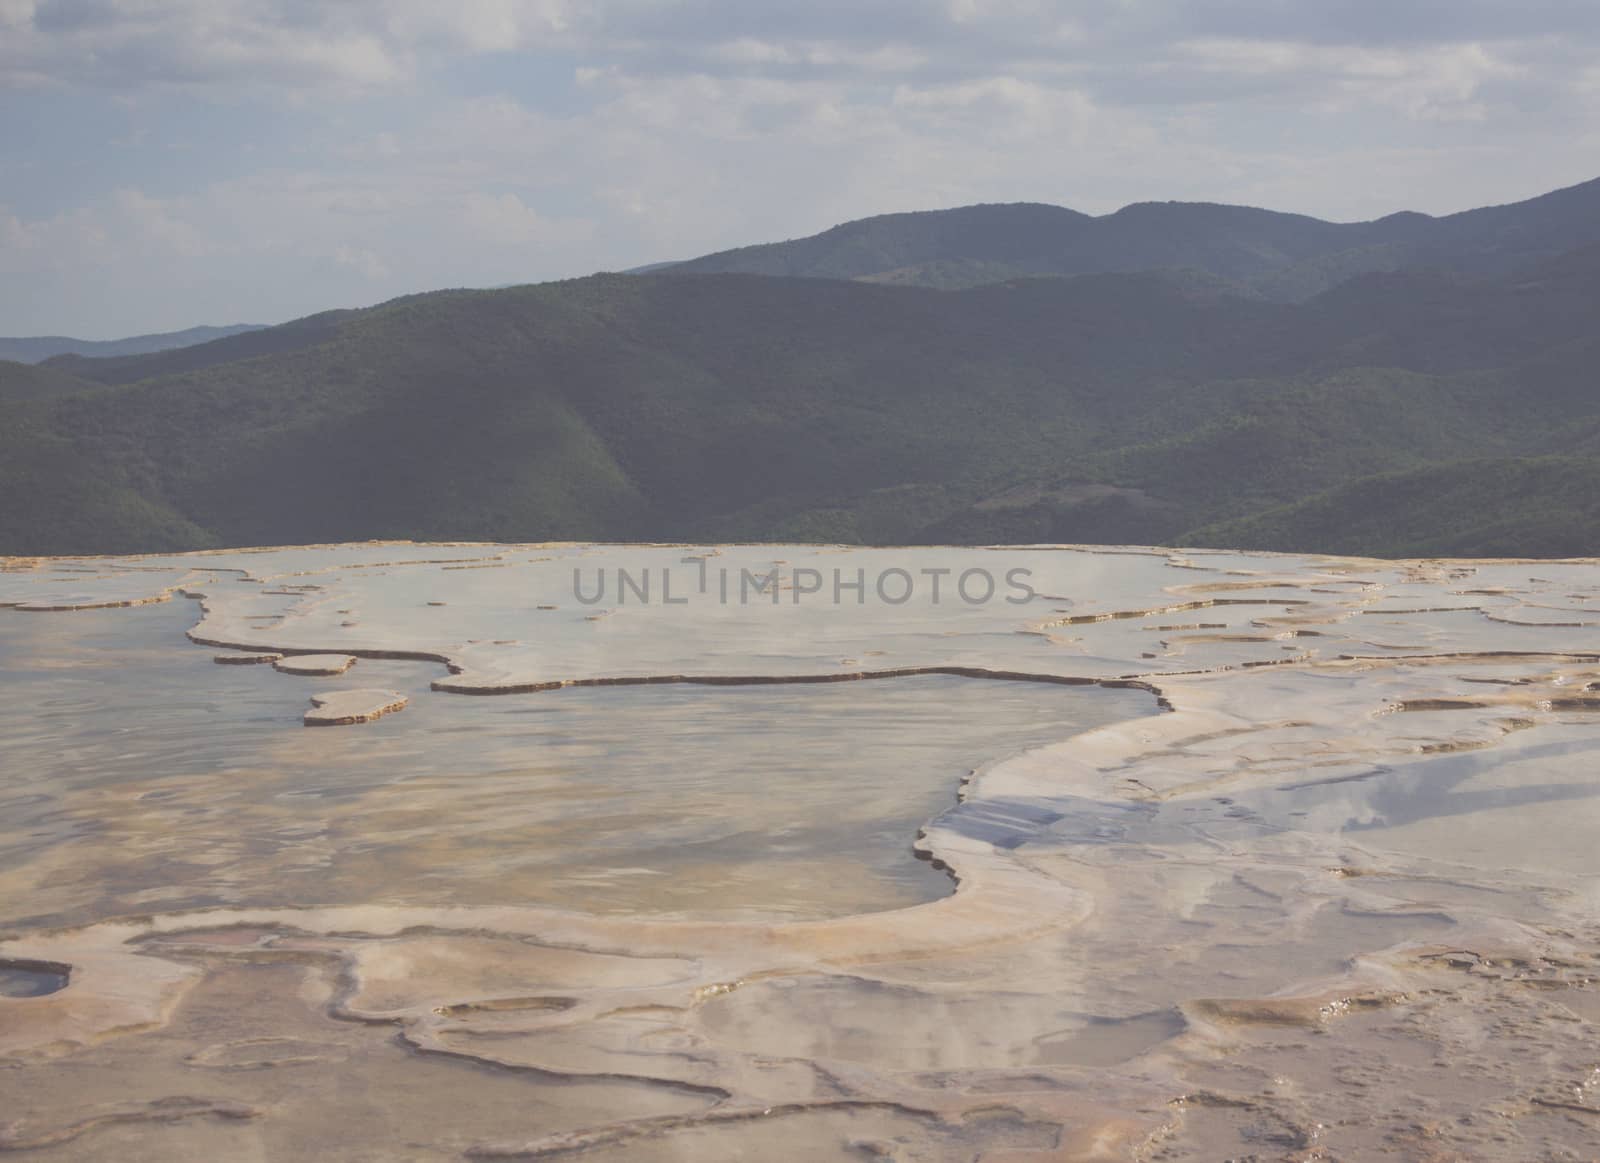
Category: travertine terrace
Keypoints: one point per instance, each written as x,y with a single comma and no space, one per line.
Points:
1327,891
343,708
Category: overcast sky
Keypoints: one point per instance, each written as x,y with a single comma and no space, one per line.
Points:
165,163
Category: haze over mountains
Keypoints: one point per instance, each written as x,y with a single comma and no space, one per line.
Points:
1172,373
37,348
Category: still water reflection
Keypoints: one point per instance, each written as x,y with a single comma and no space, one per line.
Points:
135,774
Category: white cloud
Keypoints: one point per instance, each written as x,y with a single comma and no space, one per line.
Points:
477,26
508,221
124,45
126,226
1441,82
639,130
160,224
16,14
359,259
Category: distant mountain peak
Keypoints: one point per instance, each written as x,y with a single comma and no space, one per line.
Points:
1278,255
38,348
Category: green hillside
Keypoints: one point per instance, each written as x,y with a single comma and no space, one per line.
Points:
1511,507
1106,408
25,381
1285,257
37,348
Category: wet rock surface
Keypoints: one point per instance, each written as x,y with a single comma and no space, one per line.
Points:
344,708
32,978
1319,882
321,665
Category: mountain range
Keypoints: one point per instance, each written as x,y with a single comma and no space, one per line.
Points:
37,348
1284,257
1169,374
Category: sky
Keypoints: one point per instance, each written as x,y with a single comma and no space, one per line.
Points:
167,163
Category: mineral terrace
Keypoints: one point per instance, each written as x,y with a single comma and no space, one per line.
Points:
1302,868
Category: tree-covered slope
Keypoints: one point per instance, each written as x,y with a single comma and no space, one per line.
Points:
1111,408
59,495
1508,507
1285,257
37,348
26,381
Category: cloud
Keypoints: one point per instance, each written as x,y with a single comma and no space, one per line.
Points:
292,44
125,226
128,45
506,220
344,150
1441,82
359,259
1421,58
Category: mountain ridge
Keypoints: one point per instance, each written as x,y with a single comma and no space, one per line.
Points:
38,348
1277,255
1115,407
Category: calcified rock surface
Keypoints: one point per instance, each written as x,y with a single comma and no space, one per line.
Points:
247,659
321,665
1336,898
343,708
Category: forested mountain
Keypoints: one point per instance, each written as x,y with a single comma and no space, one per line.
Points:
1416,411
37,348
1287,257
